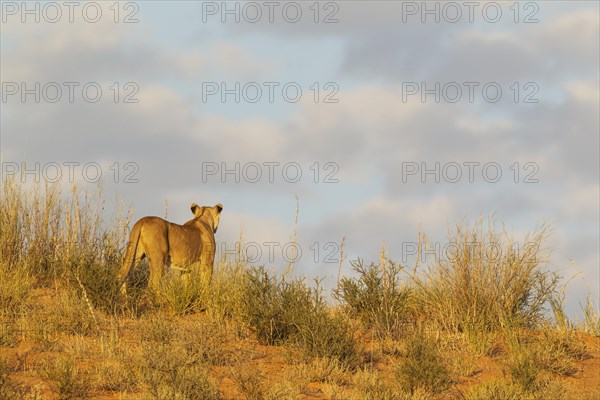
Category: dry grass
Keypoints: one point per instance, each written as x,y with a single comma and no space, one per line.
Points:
370,385
591,317
67,332
487,282
66,379
183,294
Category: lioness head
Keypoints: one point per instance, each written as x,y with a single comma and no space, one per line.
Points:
209,214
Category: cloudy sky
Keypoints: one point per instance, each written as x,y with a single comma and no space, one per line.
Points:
380,117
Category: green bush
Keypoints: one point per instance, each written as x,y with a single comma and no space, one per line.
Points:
272,305
377,297
423,367
287,311
321,333
96,279
525,370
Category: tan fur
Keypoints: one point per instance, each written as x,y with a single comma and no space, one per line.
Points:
166,244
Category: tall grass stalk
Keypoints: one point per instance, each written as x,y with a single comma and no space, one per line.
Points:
591,317
486,282
58,238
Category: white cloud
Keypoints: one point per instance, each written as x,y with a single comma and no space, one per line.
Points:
243,141
106,51
585,92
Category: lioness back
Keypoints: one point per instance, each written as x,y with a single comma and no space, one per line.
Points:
181,242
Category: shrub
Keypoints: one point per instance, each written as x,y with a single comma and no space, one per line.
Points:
281,391
249,382
423,368
115,377
460,359
524,370
486,283
72,314
171,367
506,390
8,389
321,333
558,351
287,311
183,293
376,297
157,328
171,373
204,341
496,390
271,305
189,383
68,381
252,386
15,290
8,332
323,369
370,385
97,282
138,298
44,333
226,302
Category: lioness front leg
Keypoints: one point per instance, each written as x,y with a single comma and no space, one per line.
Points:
206,268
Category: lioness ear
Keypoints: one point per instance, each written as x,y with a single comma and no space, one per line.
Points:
217,216
195,208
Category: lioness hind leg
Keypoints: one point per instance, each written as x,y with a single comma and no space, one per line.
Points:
157,266
126,268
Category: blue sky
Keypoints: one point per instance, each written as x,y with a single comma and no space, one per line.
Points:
370,135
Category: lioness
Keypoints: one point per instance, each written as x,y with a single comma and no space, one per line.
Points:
172,245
